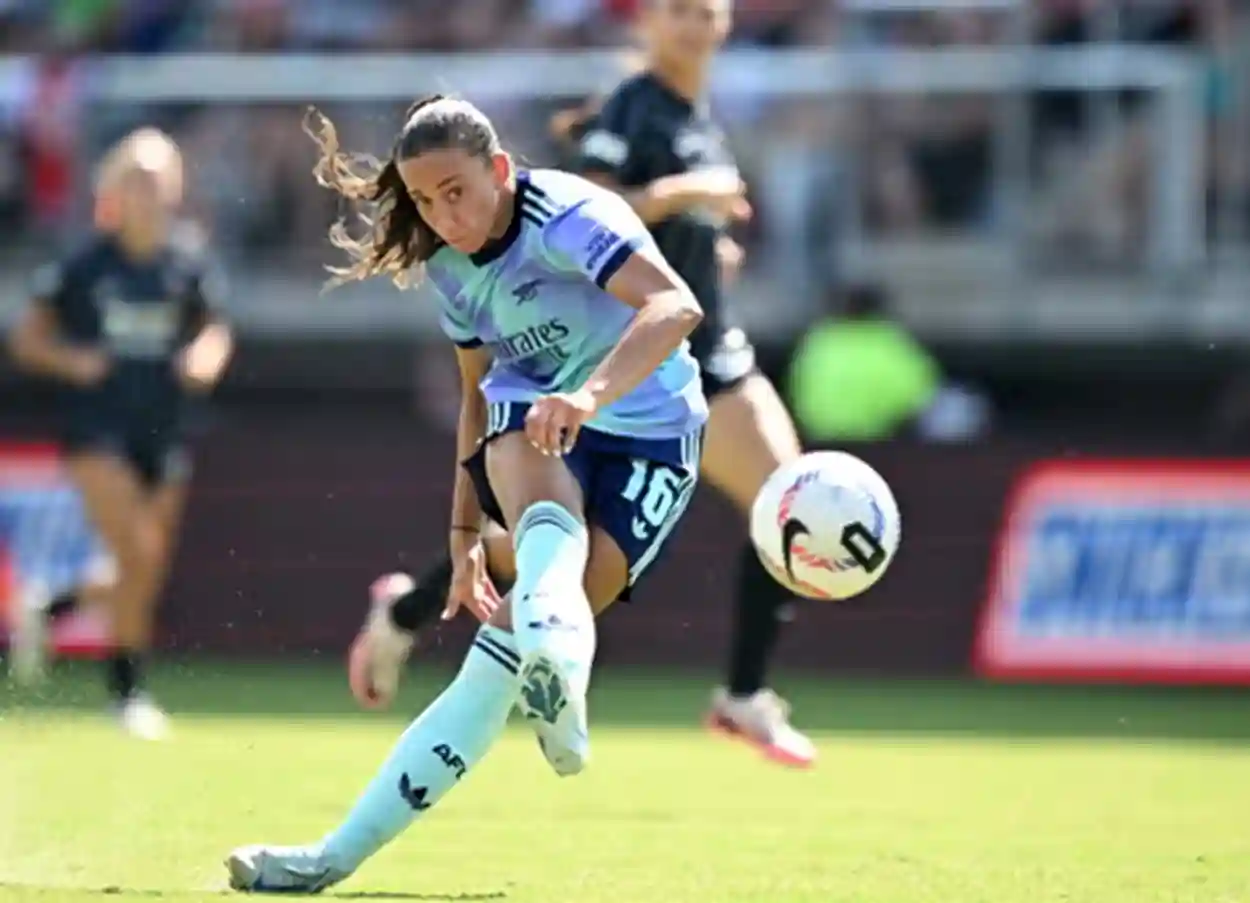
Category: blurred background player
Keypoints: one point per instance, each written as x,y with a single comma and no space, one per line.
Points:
654,142
580,423
127,325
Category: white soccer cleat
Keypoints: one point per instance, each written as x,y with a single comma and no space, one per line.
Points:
28,641
281,870
143,719
557,713
763,720
378,653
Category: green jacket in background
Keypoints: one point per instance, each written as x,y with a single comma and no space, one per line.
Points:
859,380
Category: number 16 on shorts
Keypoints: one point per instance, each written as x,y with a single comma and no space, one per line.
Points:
656,497
654,489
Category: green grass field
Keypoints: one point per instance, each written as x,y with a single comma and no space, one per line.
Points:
926,792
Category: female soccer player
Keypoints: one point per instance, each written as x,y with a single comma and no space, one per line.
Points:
653,142
127,325
580,424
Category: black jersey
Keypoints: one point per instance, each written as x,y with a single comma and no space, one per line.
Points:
646,131
140,315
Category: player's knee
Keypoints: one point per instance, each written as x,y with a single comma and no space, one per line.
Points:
549,513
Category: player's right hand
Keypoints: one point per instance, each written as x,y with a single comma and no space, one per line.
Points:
471,586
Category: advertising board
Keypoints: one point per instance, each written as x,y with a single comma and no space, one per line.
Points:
1121,570
46,544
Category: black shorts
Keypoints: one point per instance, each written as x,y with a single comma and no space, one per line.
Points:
157,461
726,357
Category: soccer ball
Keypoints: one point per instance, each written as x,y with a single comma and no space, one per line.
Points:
826,526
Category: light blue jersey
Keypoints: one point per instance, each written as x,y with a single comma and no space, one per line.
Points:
536,298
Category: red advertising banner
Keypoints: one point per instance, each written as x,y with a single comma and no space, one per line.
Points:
46,544
1121,570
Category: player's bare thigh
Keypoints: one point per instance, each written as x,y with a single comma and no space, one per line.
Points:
117,505
164,507
520,476
120,509
749,435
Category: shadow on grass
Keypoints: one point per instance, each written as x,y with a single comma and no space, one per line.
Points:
640,698
108,892
391,895
115,891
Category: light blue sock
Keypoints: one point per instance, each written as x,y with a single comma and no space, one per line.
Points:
550,613
434,753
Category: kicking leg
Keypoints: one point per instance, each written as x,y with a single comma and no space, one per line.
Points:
402,606
749,435
552,621
565,742
451,736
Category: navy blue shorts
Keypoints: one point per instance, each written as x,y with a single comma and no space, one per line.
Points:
157,461
636,490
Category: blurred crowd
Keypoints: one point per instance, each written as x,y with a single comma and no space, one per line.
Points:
154,26
934,157
923,163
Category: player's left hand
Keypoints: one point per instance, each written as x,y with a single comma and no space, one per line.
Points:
471,586
201,363
553,421
195,379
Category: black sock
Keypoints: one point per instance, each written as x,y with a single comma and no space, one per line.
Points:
760,609
426,601
60,606
125,676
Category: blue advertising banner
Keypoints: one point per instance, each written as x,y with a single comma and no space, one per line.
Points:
1122,571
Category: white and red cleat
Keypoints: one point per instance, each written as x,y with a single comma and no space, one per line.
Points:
379,651
762,720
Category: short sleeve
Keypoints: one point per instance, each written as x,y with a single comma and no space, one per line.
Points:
612,143
50,284
454,318
596,237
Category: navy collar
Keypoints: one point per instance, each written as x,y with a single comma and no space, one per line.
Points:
497,247
680,101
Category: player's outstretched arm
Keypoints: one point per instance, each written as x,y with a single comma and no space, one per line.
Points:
469,582
721,190
667,314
